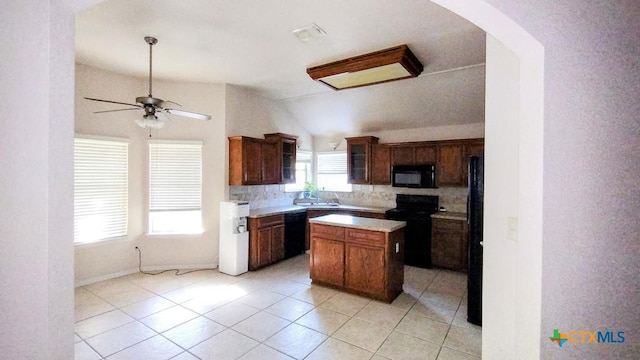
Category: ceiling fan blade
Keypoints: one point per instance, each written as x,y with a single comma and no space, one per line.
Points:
163,104
113,102
107,111
188,114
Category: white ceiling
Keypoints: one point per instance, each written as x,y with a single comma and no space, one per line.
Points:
250,44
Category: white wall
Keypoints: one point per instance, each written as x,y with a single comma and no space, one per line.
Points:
590,266
158,251
500,265
249,114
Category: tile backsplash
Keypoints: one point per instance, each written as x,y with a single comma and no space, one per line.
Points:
453,199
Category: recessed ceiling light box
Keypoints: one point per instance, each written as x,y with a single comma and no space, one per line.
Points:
377,67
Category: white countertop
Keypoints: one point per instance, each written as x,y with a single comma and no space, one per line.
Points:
275,210
359,223
450,215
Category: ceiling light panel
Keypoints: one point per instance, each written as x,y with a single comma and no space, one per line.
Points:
377,67
309,32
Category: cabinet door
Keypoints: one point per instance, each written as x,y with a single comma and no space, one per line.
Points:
252,161
449,244
277,243
327,261
472,148
380,165
450,168
288,161
402,155
425,154
270,163
357,161
263,256
365,269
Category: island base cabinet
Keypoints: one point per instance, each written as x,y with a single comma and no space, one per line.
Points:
327,262
359,274
364,262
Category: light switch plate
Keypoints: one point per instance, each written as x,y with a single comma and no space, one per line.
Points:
512,228
397,248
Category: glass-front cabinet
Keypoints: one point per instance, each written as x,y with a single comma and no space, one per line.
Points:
359,159
286,145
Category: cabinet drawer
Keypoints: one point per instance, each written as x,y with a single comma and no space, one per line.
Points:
331,232
372,238
448,225
270,220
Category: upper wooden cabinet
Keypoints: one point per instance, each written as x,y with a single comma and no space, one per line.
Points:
450,164
453,160
255,161
370,163
286,156
359,159
380,164
413,153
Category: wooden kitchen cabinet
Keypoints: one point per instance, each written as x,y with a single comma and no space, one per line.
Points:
380,164
245,161
450,164
363,262
453,160
255,161
418,153
449,243
402,155
327,262
425,154
359,159
266,240
270,166
313,213
472,147
286,146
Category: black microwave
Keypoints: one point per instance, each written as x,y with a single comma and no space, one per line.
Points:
414,176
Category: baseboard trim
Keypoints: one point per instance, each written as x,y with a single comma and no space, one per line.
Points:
110,276
105,277
209,266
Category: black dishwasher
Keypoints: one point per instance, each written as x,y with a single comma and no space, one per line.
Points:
295,226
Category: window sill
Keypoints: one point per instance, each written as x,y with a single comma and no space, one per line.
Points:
174,235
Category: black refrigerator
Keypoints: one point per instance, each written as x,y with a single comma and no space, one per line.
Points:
475,202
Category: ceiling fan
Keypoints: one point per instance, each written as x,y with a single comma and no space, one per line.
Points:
152,106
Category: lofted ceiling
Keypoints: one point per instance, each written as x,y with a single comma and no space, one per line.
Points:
250,44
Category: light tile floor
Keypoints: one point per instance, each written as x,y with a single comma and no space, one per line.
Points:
275,314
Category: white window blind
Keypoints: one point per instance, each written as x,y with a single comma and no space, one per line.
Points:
332,172
100,189
175,187
332,163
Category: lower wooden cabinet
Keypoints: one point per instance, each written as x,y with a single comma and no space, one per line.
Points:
364,262
311,213
266,241
449,244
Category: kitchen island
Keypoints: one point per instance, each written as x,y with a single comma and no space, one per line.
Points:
359,255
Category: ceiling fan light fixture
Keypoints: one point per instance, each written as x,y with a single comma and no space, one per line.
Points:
391,64
150,121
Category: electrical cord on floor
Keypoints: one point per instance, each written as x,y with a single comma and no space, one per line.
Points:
177,271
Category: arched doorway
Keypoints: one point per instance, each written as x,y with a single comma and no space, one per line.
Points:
526,183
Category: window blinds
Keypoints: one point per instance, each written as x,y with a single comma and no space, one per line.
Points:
332,163
175,175
100,189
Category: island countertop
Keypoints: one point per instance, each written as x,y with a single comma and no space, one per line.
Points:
359,223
